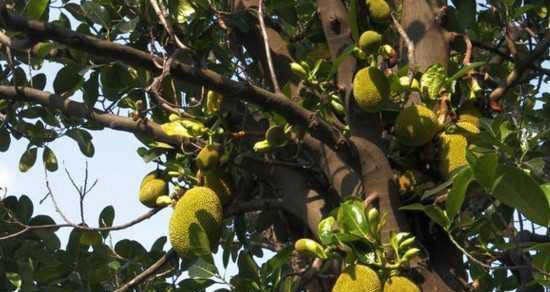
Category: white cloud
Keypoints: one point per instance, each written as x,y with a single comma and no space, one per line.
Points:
7,179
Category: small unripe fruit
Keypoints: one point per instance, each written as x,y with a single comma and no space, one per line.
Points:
370,42
310,248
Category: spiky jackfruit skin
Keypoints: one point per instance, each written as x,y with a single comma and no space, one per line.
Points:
416,125
379,10
195,225
370,89
208,159
452,154
370,41
358,278
400,284
152,186
216,182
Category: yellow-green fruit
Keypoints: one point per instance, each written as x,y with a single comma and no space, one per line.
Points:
370,41
309,248
213,101
195,225
452,154
152,186
219,185
379,10
208,159
358,278
416,125
276,137
370,88
400,284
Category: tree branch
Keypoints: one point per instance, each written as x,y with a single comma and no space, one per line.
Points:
520,69
294,113
150,271
80,110
276,87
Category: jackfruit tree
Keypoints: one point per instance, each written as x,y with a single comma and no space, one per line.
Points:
369,145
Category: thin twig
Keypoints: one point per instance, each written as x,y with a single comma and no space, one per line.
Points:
408,42
150,271
267,48
160,11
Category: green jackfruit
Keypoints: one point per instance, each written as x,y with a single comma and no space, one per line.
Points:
196,223
219,185
416,125
208,159
379,10
400,284
152,186
452,154
358,278
467,128
370,41
370,88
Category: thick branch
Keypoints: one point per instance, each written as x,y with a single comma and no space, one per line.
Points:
80,110
231,89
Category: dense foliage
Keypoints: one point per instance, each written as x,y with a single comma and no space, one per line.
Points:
408,139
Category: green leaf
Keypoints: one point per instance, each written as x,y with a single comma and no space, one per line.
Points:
202,269
39,81
541,260
184,9
351,218
106,218
346,53
49,159
24,209
517,189
90,89
247,266
435,213
5,139
325,230
35,9
465,70
352,15
114,78
84,140
466,12
433,80
484,168
456,196
195,285
68,79
27,159
546,189
97,13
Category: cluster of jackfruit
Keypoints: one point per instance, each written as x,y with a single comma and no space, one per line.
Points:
379,10
371,89
362,278
153,191
416,125
196,223
211,175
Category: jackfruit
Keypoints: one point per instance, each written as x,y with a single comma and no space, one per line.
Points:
470,114
213,102
370,88
416,125
208,159
152,186
216,182
379,10
370,41
276,136
196,223
452,154
400,284
357,278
